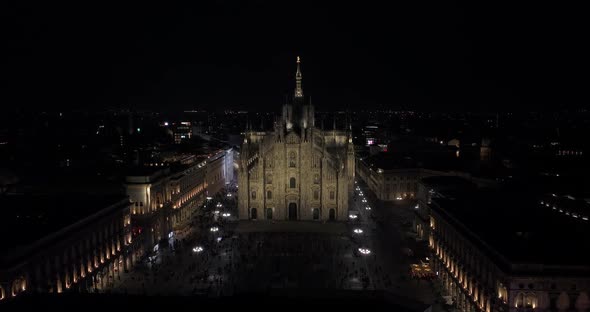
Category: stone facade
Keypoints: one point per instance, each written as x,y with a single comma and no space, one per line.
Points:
297,171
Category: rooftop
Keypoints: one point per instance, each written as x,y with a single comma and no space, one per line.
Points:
513,223
27,219
389,161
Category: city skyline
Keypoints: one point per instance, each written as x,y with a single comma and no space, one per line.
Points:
417,157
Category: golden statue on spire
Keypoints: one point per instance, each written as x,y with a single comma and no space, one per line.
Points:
298,59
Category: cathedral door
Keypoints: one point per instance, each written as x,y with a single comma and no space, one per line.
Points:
332,214
316,214
253,214
292,211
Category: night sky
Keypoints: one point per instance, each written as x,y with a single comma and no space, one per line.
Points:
439,55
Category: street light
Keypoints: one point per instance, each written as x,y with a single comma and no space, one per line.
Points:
358,231
214,229
364,251
226,214
198,249
368,208
353,216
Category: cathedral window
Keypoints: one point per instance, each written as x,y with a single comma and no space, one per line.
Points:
331,194
292,161
268,194
316,179
269,179
316,194
292,183
253,194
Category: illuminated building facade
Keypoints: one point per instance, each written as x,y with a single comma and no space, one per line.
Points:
297,171
392,179
183,131
495,250
81,251
164,199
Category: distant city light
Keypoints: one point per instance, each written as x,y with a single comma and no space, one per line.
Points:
166,123
214,229
353,216
138,129
228,194
358,231
368,208
216,212
226,214
209,198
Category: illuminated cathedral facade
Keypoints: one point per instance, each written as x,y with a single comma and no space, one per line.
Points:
297,171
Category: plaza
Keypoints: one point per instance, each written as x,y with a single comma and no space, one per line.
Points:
222,256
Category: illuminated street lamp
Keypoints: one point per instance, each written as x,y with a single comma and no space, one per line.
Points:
364,251
368,208
226,214
198,249
358,231
214,229
353,216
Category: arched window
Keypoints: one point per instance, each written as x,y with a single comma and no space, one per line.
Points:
269,179
316,194
292,161
332,195
268,194
253,194
292,183
316,179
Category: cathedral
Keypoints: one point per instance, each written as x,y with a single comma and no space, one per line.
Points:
297,171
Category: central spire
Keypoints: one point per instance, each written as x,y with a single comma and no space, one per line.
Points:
298,88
